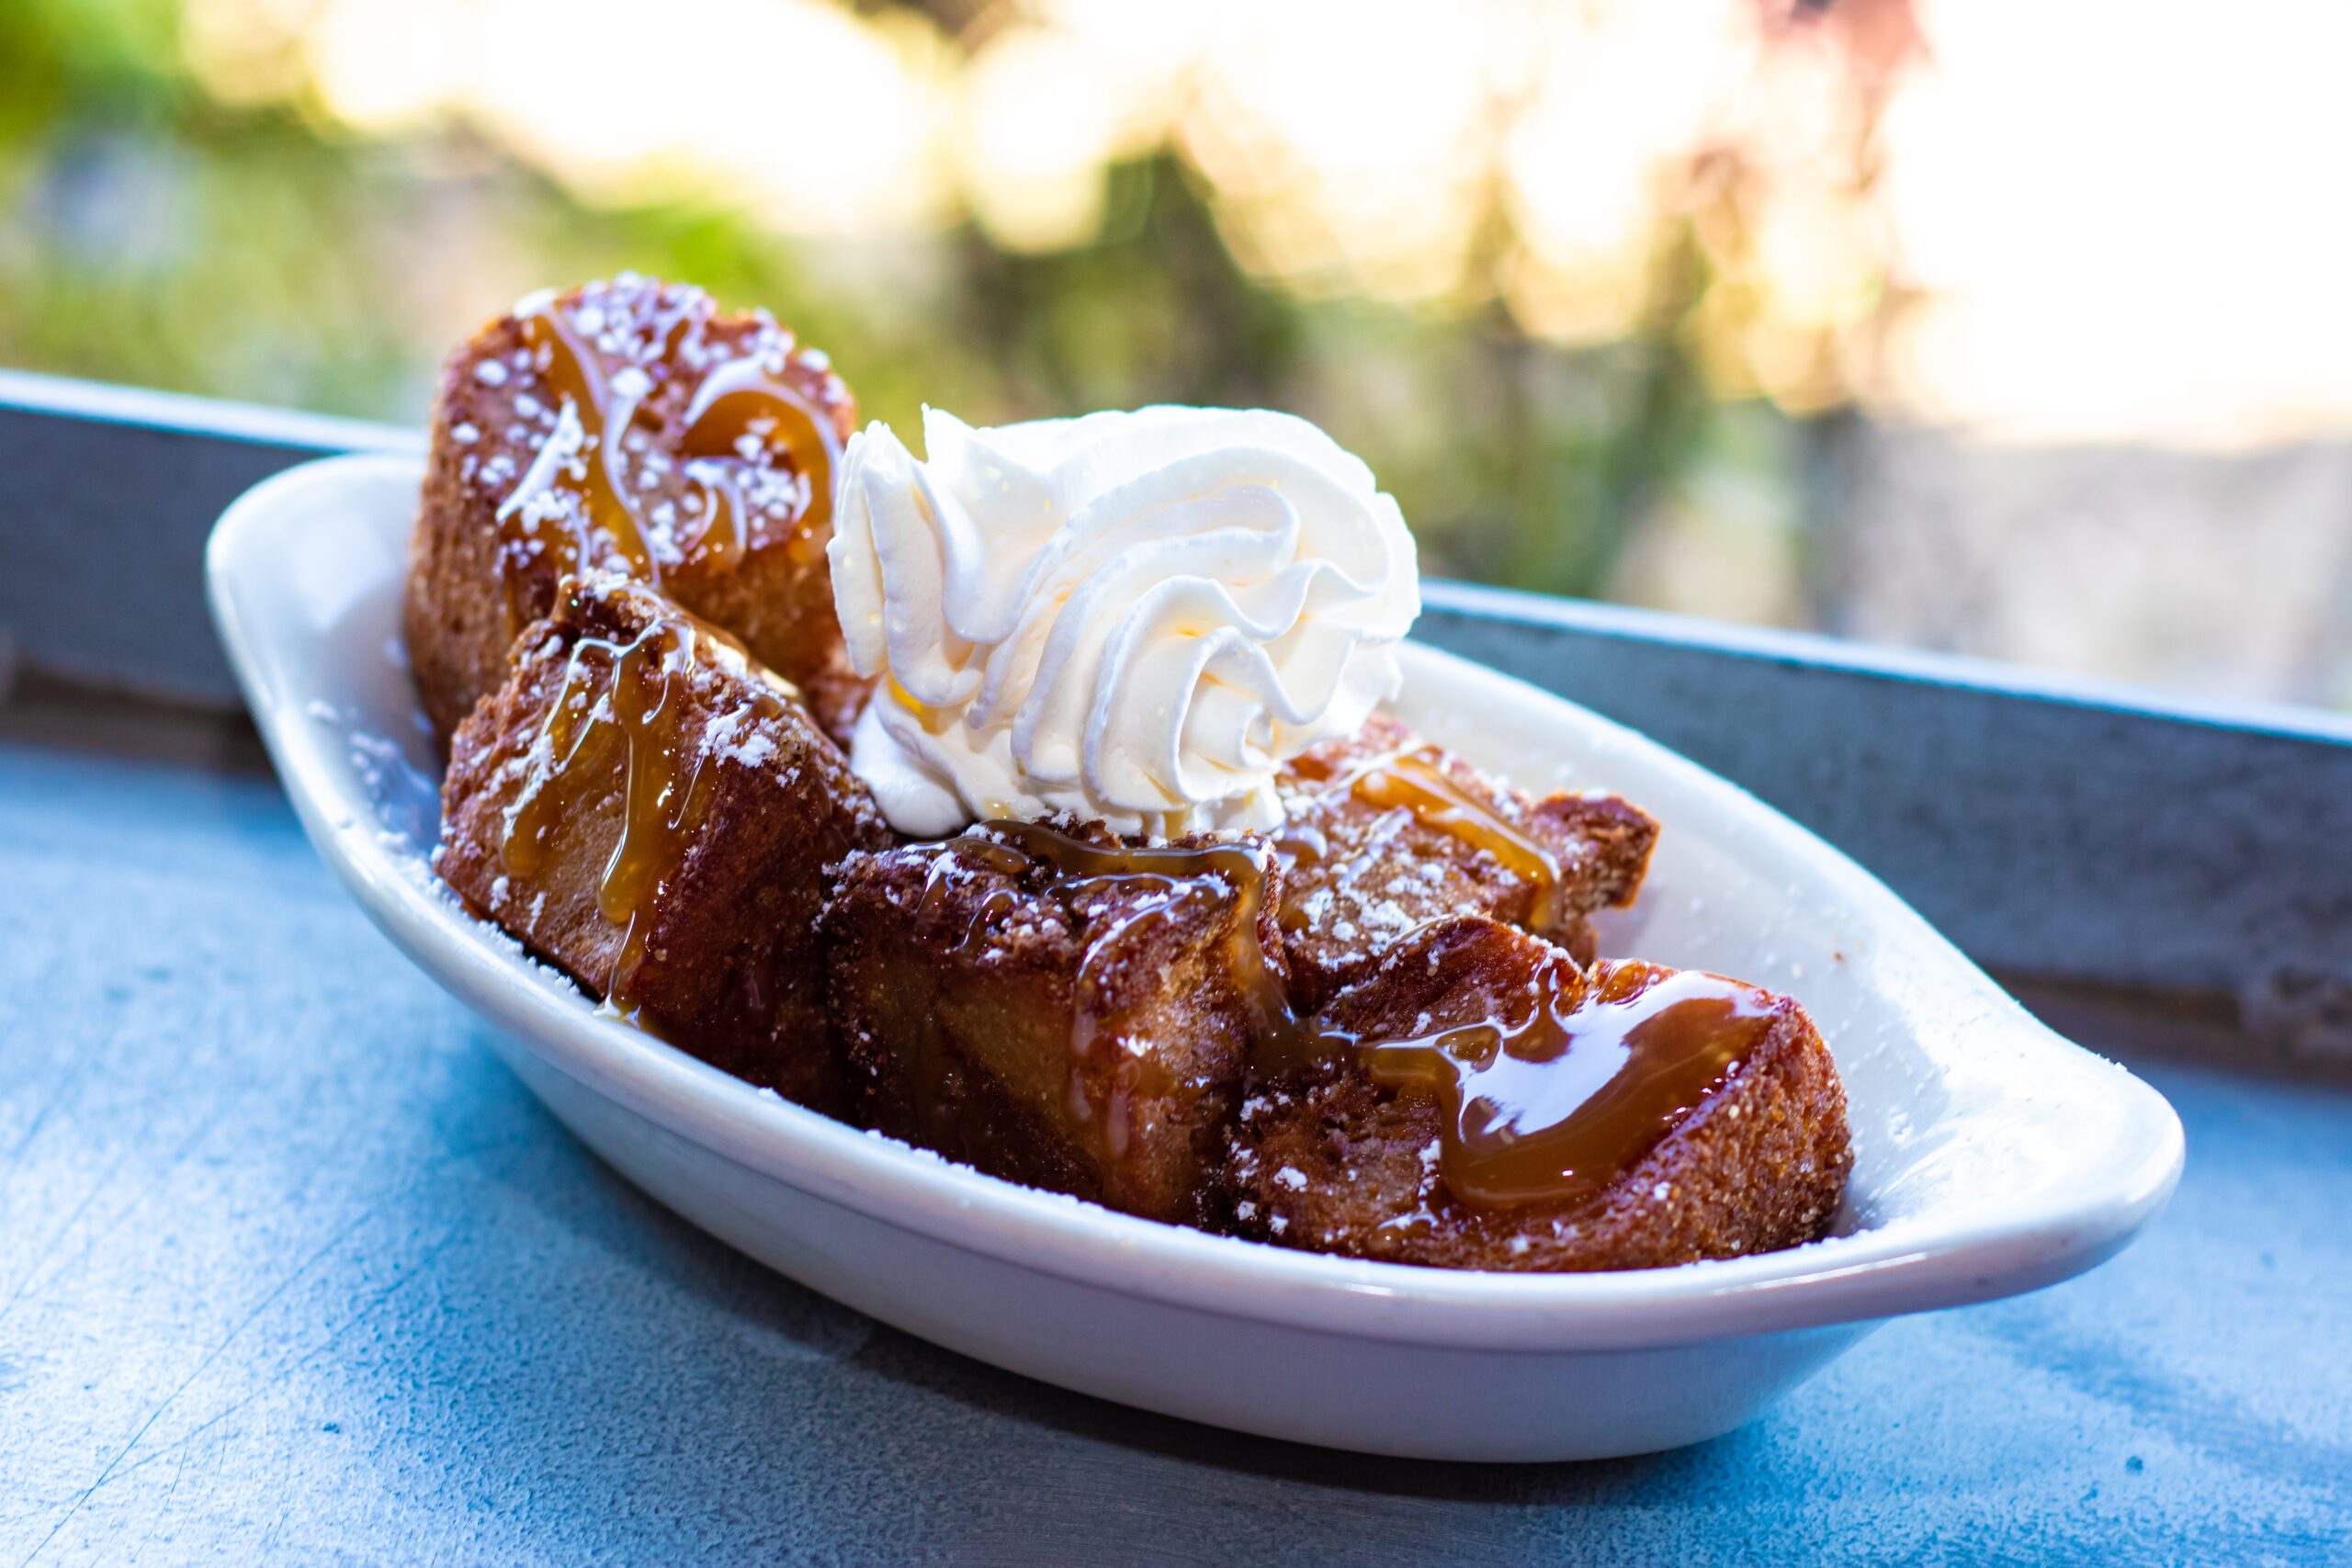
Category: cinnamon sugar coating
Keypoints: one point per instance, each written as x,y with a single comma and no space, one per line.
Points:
1328,1159
619,614
1375,873
473,585
1079,1034
725,964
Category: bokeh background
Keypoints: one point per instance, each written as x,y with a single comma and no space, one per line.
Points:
1979,325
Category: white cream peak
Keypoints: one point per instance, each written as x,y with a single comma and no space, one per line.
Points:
1132,616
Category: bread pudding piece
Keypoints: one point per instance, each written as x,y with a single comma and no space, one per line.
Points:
648,809
628,426
1481,1102
1058,1007
1386,833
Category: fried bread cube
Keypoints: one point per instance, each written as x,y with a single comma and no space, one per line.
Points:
1058,1008
650,811
628,427
1482,1102
1384,833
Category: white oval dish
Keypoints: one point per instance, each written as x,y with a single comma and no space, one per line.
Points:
1991,1157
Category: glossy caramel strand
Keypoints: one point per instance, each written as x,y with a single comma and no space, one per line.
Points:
748,415
1552,1105
577,377
1418,781
738,417
939,895
1277,1036
1298,844
619,710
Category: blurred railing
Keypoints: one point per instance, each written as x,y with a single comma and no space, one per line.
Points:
2056,829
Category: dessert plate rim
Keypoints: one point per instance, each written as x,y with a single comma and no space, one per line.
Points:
1915,1264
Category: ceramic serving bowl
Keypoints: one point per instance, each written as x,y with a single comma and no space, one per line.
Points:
1991,1157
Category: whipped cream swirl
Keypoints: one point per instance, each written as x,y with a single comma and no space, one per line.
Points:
1135,618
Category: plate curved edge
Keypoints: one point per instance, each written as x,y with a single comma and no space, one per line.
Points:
355,511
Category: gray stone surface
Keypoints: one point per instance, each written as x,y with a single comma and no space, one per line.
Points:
291,1271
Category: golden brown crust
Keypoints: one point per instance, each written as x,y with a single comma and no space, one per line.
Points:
470,592
1379,873
1084,1035
1329,1160
729,970
456,618
1089,1034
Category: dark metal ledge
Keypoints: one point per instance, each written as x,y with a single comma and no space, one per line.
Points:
107,495
2050,827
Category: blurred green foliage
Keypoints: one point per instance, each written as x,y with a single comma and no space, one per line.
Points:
155,236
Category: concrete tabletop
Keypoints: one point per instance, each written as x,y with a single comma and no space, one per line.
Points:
292,1270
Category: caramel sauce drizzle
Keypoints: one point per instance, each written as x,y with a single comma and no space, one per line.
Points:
727,409
577,377
1298,844
737,415
1548,1105
1277,1032
938,892
1553,1106
1419,783
619,710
